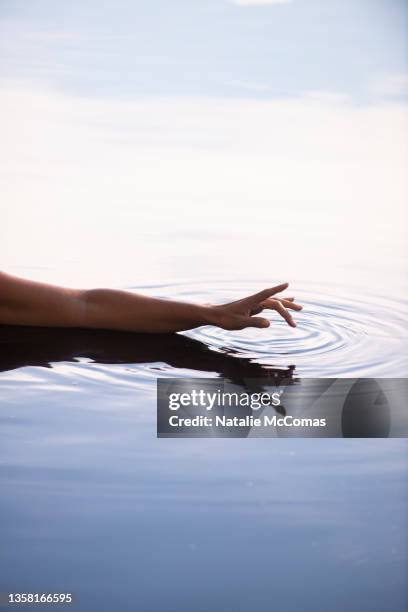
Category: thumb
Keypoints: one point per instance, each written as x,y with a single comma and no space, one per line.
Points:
256,322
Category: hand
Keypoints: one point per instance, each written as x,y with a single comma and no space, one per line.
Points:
239,314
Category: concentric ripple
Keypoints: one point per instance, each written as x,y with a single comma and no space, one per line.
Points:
338,333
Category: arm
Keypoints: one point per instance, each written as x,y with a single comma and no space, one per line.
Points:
24,302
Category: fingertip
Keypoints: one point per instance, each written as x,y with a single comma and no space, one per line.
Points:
279,288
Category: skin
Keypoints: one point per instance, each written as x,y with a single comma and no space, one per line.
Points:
25,302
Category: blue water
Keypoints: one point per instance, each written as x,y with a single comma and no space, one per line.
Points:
93,503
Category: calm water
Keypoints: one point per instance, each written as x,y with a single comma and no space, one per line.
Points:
93,503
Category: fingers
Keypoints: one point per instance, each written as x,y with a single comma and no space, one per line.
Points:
266,293
256,310
254,322
290,304
287,302
279,306
284,313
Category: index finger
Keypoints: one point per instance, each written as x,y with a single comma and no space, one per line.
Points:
266,293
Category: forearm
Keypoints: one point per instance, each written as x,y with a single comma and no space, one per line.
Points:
122,310
24,302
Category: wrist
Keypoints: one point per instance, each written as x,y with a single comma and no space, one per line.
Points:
208,314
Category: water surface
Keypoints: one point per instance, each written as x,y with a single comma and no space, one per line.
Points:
93,503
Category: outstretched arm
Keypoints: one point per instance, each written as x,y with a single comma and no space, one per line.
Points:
24,302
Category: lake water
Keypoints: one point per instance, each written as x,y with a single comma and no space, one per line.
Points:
93,503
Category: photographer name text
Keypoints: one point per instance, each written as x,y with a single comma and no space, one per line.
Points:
246,421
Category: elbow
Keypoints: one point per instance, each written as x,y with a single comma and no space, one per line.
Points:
98,306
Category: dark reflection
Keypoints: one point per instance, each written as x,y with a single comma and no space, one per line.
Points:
41,346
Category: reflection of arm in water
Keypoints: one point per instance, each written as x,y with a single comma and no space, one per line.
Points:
43,346
25,302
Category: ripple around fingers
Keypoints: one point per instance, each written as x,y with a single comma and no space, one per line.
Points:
360,335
